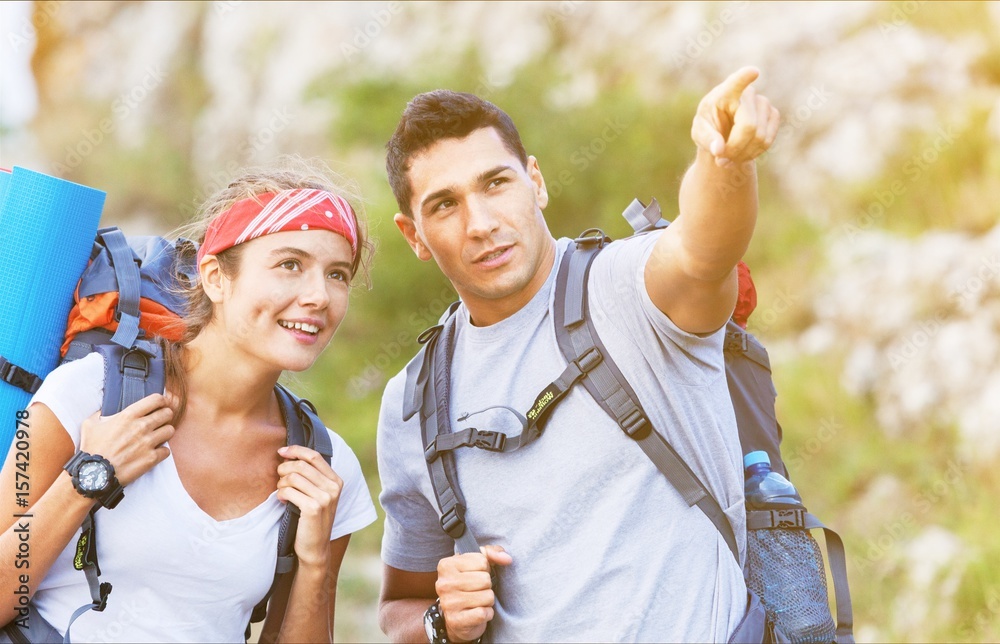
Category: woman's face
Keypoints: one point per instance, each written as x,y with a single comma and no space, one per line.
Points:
288,298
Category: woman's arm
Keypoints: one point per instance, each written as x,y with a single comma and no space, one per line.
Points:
34,535
309,614
131,441
307,480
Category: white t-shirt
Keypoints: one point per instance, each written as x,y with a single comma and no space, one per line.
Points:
604,547
177,573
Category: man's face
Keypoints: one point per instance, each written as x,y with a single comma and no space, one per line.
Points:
478,213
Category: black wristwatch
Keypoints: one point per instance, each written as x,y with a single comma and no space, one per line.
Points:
94,477
437,632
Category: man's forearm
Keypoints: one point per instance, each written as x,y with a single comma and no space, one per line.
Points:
718,211
402,620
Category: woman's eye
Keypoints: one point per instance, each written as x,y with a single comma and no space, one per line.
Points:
340,276
290,264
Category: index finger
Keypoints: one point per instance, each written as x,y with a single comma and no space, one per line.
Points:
303,453
732,88
147,405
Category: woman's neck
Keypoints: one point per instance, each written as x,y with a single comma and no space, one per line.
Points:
223,387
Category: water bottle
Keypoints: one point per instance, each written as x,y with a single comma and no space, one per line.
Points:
785,567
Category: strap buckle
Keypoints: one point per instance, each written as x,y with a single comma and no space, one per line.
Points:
105,590
589,360
636,425
735,341
19,377
492,441
453,521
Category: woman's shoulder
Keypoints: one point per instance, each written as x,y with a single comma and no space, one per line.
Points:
73,391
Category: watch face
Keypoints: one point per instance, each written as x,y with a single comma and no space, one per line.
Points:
429,626
93,476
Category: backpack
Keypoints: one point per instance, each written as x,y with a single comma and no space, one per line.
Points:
127,297
589,364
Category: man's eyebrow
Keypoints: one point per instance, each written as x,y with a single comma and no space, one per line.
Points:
482,178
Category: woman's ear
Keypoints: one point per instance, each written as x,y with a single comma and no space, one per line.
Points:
211,278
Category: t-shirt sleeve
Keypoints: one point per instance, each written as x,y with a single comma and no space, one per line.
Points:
73,392
412,538
618,288
355,509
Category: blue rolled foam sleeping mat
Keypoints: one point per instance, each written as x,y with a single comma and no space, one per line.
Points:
47,230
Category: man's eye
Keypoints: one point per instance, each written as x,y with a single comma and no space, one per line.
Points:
444,205
497,181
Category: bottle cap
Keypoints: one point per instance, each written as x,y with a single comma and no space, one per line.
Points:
753,458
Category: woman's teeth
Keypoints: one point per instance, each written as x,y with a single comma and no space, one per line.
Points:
300,326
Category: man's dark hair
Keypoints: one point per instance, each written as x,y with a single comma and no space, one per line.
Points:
436,115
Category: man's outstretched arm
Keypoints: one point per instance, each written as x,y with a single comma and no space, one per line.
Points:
691,275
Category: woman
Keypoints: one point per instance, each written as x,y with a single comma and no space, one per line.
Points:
190,549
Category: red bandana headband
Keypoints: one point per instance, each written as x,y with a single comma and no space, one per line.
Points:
275,212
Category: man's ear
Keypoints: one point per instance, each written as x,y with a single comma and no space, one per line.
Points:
211,278
408,227
535,174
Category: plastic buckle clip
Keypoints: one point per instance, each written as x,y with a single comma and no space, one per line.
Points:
793,518
736,341
491,441
589,360
18,377
105,591
453,521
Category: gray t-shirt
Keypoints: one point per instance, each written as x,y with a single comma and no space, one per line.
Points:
604,548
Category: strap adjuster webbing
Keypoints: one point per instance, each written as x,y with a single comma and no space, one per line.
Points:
18,376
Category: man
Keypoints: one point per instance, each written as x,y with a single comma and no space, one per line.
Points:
588,539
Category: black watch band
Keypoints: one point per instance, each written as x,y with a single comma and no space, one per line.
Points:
111,494
434,626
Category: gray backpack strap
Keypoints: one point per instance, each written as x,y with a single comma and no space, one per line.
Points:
127,275
303,427
838,570
578,339
434,422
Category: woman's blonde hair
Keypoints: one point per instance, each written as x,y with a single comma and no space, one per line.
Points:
286,173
